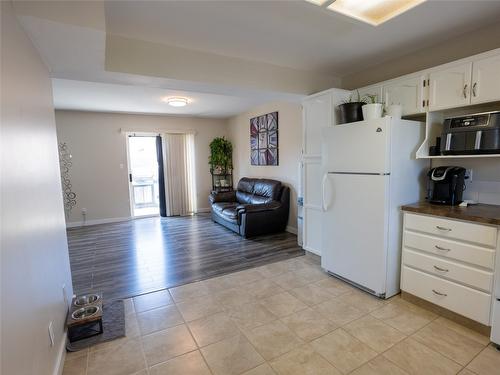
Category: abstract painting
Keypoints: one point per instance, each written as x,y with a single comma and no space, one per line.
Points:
264,139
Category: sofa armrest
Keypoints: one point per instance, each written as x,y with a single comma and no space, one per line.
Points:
250,208
226,196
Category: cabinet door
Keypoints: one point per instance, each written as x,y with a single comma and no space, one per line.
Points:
450,87
486,80
371,90
408,92
317,113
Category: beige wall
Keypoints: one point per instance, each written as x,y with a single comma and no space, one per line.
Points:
34,253
469,44
99,174
290,145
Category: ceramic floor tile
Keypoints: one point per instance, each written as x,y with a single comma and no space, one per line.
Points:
312,274
273,339
263,288
251,315
361,300
308,324
128,305
374,333
188,291
487,362
75,366
78,354
263,369
158,319
289,280
448,342
273,269
466,372
404,318
379,366
152,300
234,297
247,276
342,350
199,307
232,356
187,364
213,328
164,345
473,335
416,358
218,284
338,312
283,304
334,286
303,360
311,294
132,326
118,360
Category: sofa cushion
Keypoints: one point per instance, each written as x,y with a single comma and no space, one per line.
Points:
267,188
258,199
230,214
219,207
244,197
246,185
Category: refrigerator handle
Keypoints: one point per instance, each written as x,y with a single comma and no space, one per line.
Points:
323,188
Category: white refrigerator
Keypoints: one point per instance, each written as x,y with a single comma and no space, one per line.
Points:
369,171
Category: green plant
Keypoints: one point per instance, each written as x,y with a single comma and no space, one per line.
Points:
221,155
354,98
372,99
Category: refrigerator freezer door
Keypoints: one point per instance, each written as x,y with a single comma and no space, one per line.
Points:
362,147
355,229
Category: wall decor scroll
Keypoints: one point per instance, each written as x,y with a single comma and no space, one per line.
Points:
65,163
264,139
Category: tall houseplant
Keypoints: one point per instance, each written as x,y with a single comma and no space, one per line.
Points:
221,156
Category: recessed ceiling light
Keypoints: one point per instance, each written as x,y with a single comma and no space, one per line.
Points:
176,101
374,12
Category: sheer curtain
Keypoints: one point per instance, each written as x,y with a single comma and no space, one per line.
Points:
178,155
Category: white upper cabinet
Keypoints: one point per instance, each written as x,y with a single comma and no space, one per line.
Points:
409,92
317,112
450,87
486,80
371,90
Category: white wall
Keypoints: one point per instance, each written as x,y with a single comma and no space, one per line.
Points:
34,253
99,150
290,145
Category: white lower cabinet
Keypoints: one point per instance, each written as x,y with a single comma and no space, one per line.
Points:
453,269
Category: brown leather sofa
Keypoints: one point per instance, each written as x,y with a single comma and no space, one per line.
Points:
257,206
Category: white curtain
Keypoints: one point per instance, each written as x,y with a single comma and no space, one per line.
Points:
178,162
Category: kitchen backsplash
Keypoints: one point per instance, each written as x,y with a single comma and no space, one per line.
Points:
483,191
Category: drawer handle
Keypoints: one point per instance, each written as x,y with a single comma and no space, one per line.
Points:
441,248
441,269
439,293
443,228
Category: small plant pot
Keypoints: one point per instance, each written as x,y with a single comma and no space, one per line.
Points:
372,111
395,110
350,112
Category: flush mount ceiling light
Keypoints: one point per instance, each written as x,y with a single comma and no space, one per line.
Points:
374,12
176,101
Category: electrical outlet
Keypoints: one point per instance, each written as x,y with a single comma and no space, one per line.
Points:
51,334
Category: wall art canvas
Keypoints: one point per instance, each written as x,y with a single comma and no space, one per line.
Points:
264,139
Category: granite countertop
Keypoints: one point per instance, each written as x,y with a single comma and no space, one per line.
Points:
481,213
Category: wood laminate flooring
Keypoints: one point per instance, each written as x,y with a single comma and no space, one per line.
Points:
143,255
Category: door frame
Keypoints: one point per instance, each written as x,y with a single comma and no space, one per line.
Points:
129,171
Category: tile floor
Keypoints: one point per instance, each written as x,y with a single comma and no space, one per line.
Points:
283,318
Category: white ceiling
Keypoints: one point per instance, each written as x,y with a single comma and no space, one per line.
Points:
295,33
290,33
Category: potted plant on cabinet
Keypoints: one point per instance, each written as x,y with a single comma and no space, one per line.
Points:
372,108
350,110
221,164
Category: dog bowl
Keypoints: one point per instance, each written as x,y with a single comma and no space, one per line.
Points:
85,312
86,299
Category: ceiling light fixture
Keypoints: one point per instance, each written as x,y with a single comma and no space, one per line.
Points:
374,12
176,101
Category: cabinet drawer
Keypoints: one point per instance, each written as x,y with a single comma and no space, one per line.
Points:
465,301
454,229
463,252
462,274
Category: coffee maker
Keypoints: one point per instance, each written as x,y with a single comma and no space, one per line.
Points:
445,185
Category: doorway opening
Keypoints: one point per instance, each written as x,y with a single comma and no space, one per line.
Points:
143,175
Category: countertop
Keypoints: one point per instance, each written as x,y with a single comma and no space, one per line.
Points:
482,213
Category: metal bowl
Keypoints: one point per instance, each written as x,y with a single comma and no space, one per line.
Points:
86,299
85,312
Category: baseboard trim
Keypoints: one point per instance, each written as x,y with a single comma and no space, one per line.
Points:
203,210
314,251
61,356
291,229
97,221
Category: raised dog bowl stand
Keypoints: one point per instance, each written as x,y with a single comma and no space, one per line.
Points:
85,317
